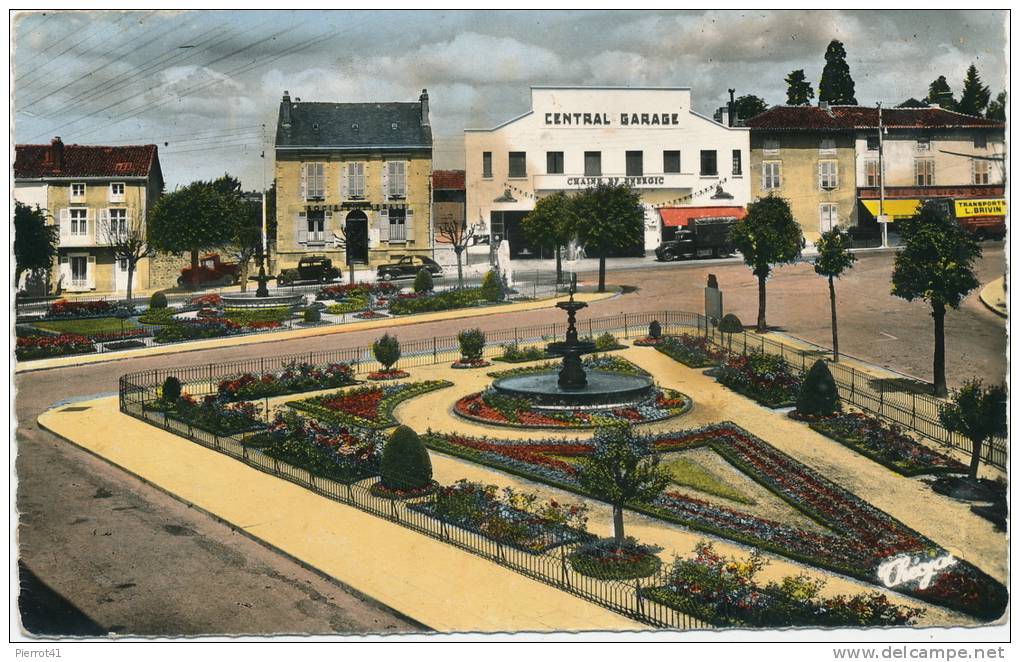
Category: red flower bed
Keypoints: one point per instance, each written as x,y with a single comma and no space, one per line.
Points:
384,375
120,335
355,290
647,342
476,363
496,409
65,308
268,324
369,315
204,300
363,403
38,347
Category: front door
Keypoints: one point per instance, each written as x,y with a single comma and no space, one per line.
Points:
356,229
79,272
120,275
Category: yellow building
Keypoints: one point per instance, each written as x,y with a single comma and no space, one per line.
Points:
353,181
95,195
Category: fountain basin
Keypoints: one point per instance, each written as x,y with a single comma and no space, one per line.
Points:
245,300
604,389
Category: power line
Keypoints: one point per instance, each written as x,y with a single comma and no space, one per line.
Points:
38,69
56,42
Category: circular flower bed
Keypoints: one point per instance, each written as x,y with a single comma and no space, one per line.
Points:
496,409
605,559
380,490
467,364
383,375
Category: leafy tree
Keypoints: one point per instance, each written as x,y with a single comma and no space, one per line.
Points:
492,286
913,103
611,218
199,217
836,86
458,235
997,108
798,91
767,236
423,281
386,351
623,467
552,224
472,344
818,394
978,413
975,95
35,243
936,264
749,105
405,464
939,93
129,243
834,258
247,240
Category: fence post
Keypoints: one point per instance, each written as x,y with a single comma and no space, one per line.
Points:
563,566
637,596
516,338
435,356
626,333
913,409
881,396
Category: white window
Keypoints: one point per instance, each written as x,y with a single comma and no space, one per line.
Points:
827,178
397,174
79,222
924,144
771,146
356,180
117,192
118,222
981,170
316,226
398,224
871,172
827,217
314,181
79,271
771,175
78,192
827,146
924,172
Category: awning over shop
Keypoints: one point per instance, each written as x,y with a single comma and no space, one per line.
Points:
679,217
895,208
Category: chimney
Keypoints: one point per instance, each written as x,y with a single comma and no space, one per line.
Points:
731,109
285,108
424,98
57,154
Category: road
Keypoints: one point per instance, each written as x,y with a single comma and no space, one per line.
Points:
134,560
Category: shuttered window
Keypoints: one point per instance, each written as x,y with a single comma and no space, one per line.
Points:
592,164
314,181
771,175
827,175
871,172
356,180
981,170
518,164
924,172
827,218
396,172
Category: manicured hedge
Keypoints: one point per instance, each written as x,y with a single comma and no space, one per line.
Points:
447,300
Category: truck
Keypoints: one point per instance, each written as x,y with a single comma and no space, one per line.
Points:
212,271
703,237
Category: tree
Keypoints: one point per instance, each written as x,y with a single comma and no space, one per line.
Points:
405,463
936,264
246,242
767,236
35,243
978,413
386,351
940,94
195,218
798,91
818,395
836,86
748,106
458,235
913,103
128,242
552,224
610,218
622,468
975,95
997,108
834,258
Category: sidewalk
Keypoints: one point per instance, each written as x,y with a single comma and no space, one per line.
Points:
993,295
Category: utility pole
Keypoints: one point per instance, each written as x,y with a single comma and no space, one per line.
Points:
881,183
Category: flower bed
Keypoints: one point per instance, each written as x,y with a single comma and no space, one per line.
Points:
195,329
63,309
369,315
380,490
446,300
388,375
213,415
41,347
605,559
885,444
158,316
513,353
294,378
649,341
496,409
352,305
206,301
333,451
858,539
355,290
120,335
765,378
366,406
724,592
468,364
508,517
606,363
692,351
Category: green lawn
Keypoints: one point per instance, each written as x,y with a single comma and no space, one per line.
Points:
690,474
88,326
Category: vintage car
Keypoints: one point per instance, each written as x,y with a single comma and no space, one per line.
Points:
313,268
211,272
408,267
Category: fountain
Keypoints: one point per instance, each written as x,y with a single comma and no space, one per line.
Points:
262,297
572,386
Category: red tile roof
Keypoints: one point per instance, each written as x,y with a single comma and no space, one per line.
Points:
679,217
33,161
448,179
846,118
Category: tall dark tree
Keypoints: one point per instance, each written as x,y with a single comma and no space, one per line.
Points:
978,413
834,258
836,86
936,264
552,224
767,236
198,217
748,106
997,108
35,243
798,90
975,95
611,219
939,93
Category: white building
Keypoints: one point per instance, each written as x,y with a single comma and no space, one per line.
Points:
575,137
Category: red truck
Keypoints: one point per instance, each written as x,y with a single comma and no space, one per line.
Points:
211,272
984,218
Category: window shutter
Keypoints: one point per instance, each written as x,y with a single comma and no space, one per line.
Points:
304,181
386,185
403,180
327,225
345,188
409,224
323,181
64,224
103,228
300,229
384,225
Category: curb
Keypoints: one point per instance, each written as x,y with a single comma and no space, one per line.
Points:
991,292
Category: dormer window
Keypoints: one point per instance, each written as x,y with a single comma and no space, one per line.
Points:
315,127
393,126
354,127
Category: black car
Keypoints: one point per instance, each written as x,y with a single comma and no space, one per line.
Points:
408,267
313,268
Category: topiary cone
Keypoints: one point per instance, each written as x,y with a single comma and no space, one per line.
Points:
818,393
405,463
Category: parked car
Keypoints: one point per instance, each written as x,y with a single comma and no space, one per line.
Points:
312,268
706,237
408,267
211,272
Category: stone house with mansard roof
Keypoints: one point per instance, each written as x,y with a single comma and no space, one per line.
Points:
352,181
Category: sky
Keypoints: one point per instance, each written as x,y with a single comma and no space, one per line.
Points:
201,84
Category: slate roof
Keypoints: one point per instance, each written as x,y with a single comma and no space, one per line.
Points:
452,180
353,125
33,161
848,118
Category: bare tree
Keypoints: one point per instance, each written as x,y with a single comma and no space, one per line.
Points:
340,241
247,240
458,234
126,237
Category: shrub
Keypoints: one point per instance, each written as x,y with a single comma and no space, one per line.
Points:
514,354
818,394
608,559
157,300
171,389
730,324
157,316
423,281
250,316
426,303
492,286
472,344
405,463
655,329
605,342
386,351
311,315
